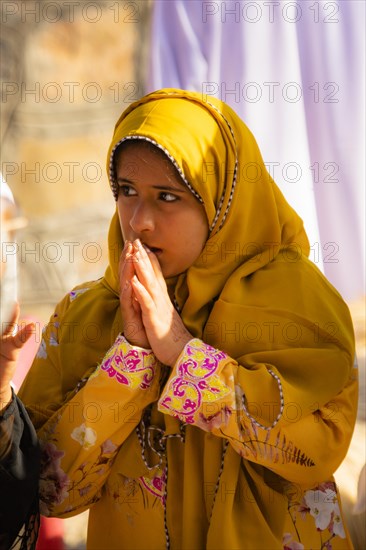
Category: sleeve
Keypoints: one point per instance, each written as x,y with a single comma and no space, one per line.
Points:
81,439
261,412
19,470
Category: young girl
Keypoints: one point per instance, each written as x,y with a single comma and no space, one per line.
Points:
202,393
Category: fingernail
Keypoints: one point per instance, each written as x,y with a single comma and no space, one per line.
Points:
147,249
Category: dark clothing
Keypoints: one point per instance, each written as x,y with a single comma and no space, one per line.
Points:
19,474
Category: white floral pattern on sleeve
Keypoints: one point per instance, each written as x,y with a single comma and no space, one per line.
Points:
322,503
84,435
49,337
323,506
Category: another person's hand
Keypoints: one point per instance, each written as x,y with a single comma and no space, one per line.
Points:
134,329
12,340
164,328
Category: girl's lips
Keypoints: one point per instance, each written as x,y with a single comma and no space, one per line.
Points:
156,251
153,249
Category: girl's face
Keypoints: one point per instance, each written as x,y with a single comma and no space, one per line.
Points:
155,206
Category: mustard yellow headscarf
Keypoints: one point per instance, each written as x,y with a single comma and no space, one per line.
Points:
253,288
218,157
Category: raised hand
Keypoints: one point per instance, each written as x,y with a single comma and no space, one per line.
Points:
163,326
12,340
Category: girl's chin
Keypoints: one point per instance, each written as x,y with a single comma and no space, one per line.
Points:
169,271
170,274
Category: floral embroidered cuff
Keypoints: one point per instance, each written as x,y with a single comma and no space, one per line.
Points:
129,365
194,384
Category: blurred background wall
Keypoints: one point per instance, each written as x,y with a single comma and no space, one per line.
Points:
68,70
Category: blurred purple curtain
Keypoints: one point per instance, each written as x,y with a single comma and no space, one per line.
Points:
294,71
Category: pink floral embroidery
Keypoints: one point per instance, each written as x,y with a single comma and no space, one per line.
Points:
289,544
55,486
108,447
156,484
53,483
133,367
214,421
196,382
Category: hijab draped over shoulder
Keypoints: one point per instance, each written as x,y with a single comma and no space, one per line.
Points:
253,289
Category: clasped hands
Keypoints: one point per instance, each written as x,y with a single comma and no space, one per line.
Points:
150,319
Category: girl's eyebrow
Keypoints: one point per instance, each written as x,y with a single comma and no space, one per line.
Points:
125,180
160,187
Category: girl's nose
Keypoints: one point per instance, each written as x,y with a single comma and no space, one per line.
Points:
142,219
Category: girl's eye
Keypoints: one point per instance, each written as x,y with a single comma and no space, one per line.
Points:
168,197
127,190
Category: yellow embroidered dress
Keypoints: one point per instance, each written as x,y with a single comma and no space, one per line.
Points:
235,446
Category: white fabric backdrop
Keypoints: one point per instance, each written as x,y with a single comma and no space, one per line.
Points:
294,71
